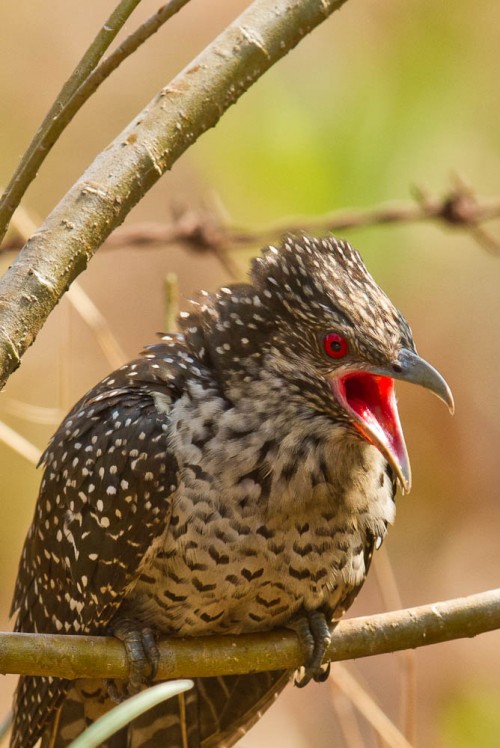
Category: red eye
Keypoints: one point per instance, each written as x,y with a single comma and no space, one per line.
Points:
335,345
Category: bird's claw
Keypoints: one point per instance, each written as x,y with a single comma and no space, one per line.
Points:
142,653
305,675
314,636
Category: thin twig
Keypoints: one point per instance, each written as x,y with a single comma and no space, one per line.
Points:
200,229
103,657
50,129
485,239
124,50
203,231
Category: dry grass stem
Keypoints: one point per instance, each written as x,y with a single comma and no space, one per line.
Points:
407,659
364,703
33,413
19,444
90,314
346,718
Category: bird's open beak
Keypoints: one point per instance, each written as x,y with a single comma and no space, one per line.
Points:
369,397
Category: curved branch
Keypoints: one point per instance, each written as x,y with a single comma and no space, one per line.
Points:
52,124
192,103
101,657
85,80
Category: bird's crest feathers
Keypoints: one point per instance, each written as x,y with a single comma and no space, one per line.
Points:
315,278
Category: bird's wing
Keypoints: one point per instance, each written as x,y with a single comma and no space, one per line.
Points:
104,501
229,706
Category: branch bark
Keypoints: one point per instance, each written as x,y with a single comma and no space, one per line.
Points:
48,131
102,657
84,81
192,103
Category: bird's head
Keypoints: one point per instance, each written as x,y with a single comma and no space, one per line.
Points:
314,319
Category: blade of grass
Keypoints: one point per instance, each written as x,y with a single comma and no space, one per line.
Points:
127,711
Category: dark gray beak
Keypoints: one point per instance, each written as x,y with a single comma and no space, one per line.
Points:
411,368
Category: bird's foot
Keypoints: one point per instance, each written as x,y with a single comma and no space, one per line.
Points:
313,631
142,653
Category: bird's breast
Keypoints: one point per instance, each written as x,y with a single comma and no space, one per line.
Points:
234,575
228,566
263,524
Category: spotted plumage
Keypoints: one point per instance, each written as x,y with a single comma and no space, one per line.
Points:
236,478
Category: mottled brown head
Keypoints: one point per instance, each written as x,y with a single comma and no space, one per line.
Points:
314,319
322,285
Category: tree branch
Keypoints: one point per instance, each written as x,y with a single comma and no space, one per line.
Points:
192,103
84,81
203,230
102,657
53,124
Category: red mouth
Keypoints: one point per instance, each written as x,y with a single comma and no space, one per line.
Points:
371,401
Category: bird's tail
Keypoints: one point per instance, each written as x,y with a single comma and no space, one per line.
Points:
216,713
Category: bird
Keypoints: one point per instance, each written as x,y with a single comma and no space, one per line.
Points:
235,478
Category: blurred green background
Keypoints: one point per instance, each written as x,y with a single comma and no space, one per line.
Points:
383,97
